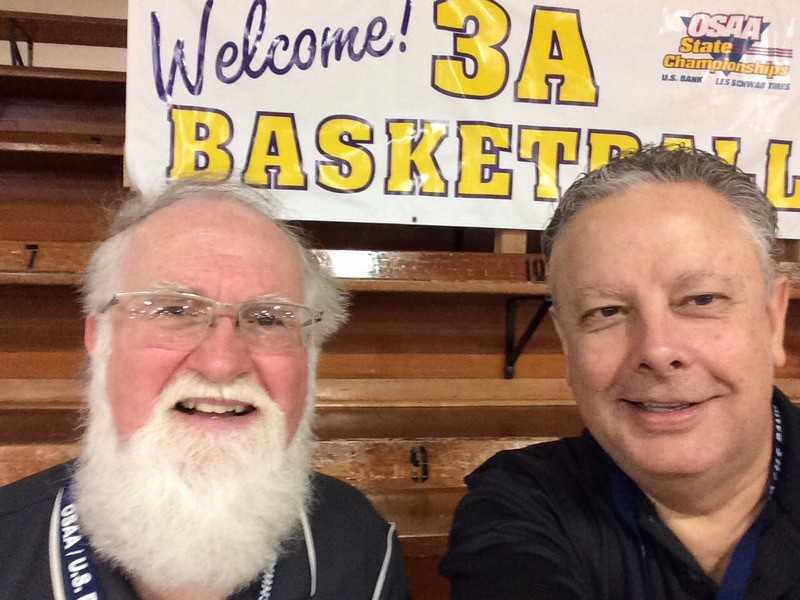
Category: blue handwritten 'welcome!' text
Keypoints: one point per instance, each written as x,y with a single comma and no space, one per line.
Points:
282,53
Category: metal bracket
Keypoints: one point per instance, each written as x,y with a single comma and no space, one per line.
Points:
19,34
514,349
419,464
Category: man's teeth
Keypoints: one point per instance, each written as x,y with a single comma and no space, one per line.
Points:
662,407
214,409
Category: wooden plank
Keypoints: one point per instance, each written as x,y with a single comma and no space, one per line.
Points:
40,142
792,271
428,266
475,421
446,287
40,324
40,103
42,204
370,465
387,336
26,278
67,364
41,394
425,512
358,270
386,464
397,237
48,257
42,75
24,426
63,29
43,263
38,410
57,364
357,285
444,393
48,410
511,241
424,581
37,117
30,426
360,265
434,365
477,366
424,545
789,250
33,411
347,393
435,324
66,393
40,363
18,461
60,363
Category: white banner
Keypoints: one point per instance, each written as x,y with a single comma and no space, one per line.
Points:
454,112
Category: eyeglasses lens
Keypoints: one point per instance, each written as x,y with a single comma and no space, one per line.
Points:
169,321
271,325
176,321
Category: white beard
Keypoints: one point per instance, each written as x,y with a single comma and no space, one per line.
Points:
179,509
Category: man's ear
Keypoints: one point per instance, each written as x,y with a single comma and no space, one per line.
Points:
777,306
90,333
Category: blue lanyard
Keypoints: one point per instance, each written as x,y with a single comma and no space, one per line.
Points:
76,579
737,575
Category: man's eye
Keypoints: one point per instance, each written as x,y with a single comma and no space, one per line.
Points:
702,299
608,311
266,320
175,310
600,316
603,312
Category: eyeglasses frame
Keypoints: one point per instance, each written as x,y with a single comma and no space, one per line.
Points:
230,309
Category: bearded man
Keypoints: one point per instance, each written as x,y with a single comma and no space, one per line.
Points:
204,321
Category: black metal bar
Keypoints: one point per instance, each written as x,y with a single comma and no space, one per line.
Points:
19,34
515,349
16,57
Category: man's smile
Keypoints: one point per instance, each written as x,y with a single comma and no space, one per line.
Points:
661,406
667,415
214,408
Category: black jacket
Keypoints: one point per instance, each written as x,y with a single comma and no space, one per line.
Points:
543,522
351,544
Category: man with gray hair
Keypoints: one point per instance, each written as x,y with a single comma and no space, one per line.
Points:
686,484
204,321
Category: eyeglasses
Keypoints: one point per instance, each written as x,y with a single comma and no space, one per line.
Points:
181,320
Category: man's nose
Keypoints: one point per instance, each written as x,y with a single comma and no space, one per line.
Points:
660,344
223,354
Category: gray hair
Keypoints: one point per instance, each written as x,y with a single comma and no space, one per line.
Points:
101,279
672,164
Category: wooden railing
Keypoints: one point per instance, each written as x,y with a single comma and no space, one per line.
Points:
63,29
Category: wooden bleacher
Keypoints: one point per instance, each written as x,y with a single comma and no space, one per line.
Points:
411,395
